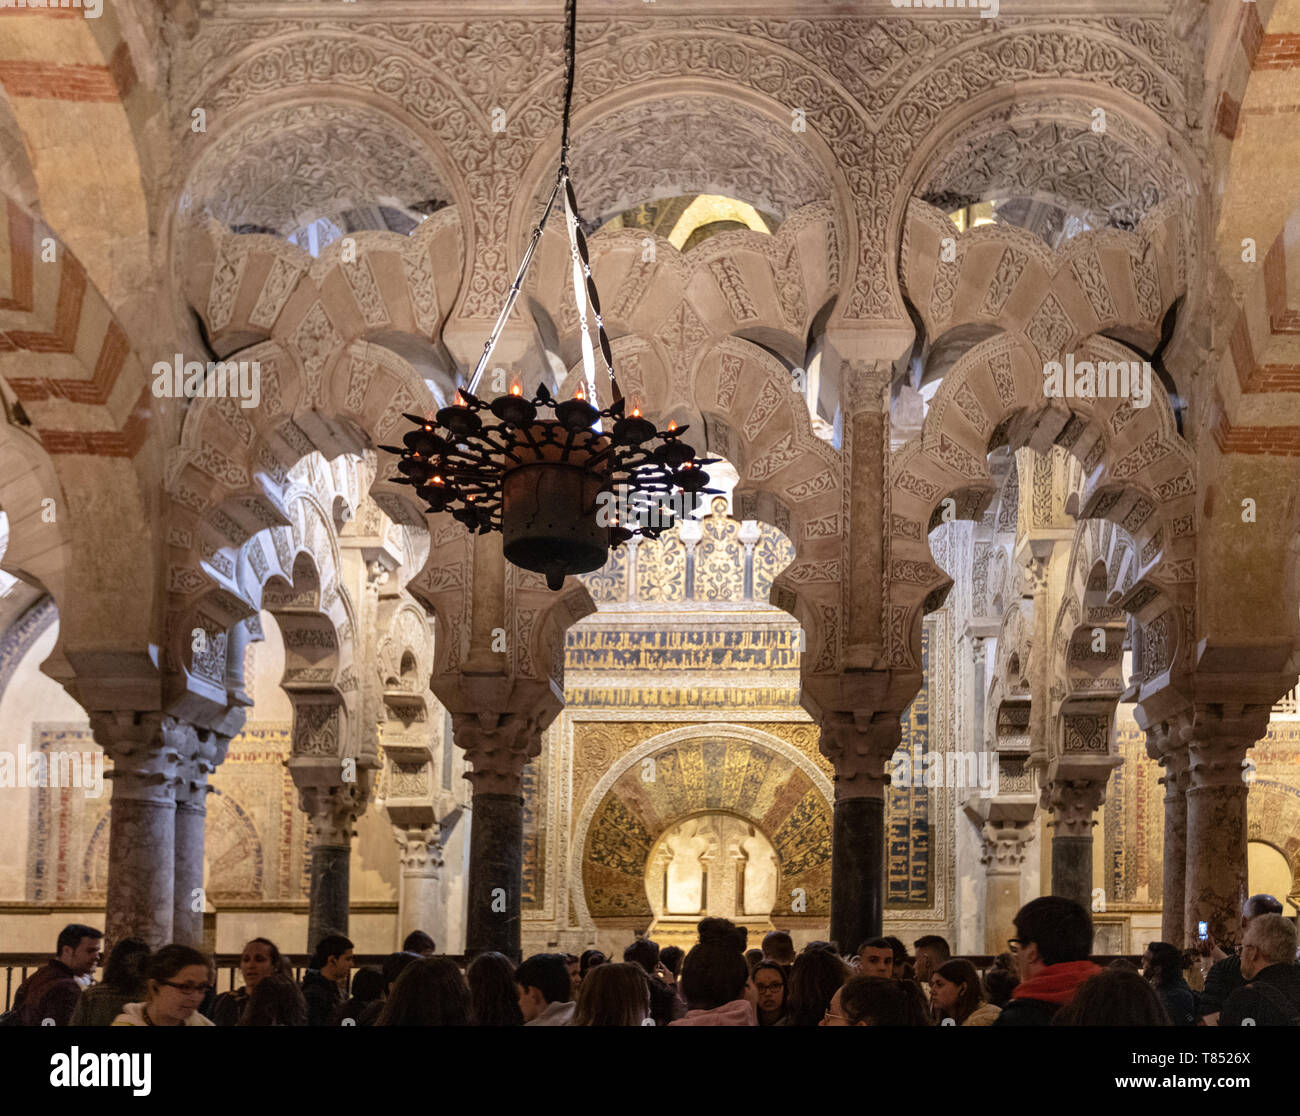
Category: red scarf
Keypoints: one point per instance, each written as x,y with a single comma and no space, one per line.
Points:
1057,983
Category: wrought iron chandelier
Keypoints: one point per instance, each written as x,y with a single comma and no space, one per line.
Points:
563,480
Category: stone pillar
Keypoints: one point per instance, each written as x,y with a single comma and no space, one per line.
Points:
1003,857
142,826
200,751
859,748
332,810
1174,761
1217,738
498,746
419,902
1073,803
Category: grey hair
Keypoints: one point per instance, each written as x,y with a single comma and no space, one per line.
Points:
1274,937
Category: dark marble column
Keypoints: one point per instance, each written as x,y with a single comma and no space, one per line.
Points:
1074,803
857,871
200,752
859,748
1218,738
141,826
496,873
332,810
498,746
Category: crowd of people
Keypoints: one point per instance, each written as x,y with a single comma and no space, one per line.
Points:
1046,977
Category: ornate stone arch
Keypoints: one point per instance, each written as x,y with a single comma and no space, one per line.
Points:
811,795
1140,475
82,393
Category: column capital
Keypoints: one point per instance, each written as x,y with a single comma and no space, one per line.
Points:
1003,846
498,747
858,746
1216,737
333,810
419,850
1073,802
144,759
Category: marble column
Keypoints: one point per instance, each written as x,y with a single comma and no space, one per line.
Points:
1217,738
331,810
200,751
498,746
1172,895
858,748
419,902
142,826
1073,803
1003,858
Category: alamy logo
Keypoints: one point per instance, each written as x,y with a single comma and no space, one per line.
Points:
1106,379
960,770
988,9
83,770
93,8
222,379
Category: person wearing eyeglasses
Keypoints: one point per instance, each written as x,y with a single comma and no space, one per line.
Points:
1051,949
176,980
1270,994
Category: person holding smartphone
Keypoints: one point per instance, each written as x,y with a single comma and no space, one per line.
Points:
1224,976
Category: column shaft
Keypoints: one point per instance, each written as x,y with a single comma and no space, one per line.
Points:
857,871
496,875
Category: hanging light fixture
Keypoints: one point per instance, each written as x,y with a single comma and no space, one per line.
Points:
564,481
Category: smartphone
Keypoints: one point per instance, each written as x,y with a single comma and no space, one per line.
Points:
1202,931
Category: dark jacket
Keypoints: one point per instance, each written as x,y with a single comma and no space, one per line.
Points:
1277,1004
49,993
1035,1001
100,1004
1221,981
1180,1002
323,998
228,1007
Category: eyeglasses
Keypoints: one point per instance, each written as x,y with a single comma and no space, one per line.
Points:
833,1015
188,989
1014,944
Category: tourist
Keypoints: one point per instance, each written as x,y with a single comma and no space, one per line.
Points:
276,1001
614,995
1000,980
545,991
778,946
867,1001
325,980
368,989
574,965
931,952
259,960
123,983
1270,995
589,959
1162,965
1225,976
417,941
817,974
431,992
663,997
902,963
768,979
53,990
1051,948
1112,998
391,969
956,994
176,980
671,957
876,958
714,979
494,1000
